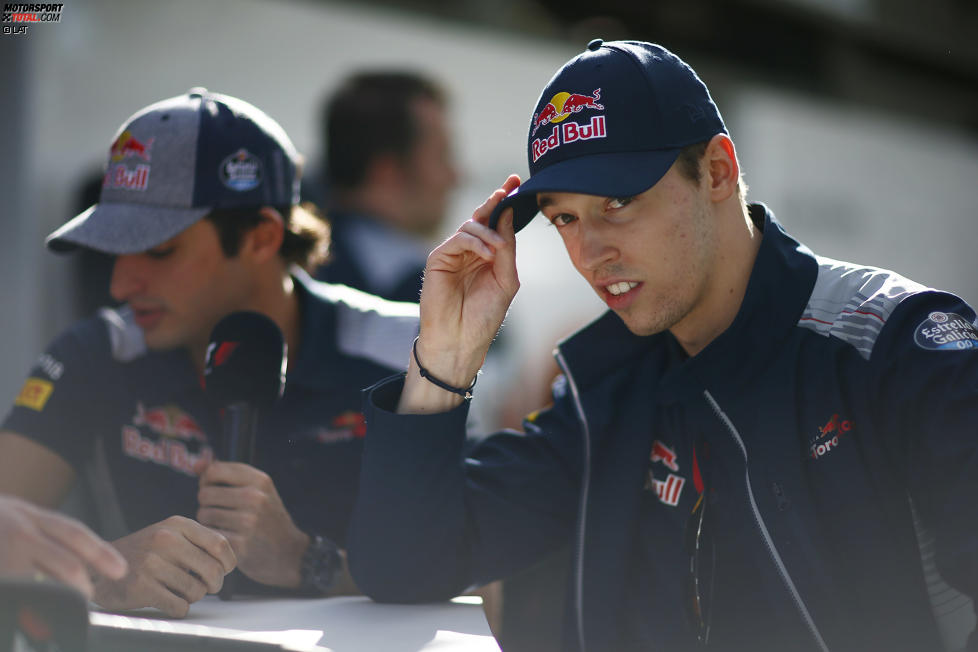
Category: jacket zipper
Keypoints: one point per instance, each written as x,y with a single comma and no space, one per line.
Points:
772,550
582,509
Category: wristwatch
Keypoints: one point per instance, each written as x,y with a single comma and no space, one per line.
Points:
321,564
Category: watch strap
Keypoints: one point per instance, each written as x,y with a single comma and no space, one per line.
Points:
321,565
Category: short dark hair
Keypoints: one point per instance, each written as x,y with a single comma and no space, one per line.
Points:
688,163
306,241
370,115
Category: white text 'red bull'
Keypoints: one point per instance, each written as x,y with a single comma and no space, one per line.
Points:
165,452
569,132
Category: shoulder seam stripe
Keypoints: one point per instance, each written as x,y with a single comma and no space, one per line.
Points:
852,303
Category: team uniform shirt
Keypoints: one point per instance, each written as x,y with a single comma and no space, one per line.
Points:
367,254
833,425
681,470
133,422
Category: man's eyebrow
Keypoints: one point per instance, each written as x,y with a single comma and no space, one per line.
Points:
544,200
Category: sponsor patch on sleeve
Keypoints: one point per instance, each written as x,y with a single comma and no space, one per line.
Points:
35,394
946,331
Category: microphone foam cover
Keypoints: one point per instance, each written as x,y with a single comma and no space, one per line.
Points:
246,361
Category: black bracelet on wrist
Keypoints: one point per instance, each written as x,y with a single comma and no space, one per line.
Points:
465,393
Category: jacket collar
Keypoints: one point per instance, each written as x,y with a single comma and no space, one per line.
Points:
315,365
778,290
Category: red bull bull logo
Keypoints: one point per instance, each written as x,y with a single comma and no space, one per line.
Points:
168,421
556,111
172,428
127,145
563,104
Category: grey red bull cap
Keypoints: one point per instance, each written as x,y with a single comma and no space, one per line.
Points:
177,160
611,122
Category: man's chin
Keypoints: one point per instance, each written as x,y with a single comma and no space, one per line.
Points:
156,341
639,327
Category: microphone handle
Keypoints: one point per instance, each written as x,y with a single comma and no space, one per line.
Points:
240,426
240,423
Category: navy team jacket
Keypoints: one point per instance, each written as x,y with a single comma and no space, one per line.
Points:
849,398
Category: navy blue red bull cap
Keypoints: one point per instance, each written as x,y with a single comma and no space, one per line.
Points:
611,123
176,160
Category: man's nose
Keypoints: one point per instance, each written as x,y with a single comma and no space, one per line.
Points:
127,277
595,248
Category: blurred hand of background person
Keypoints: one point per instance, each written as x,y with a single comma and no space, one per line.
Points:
36,540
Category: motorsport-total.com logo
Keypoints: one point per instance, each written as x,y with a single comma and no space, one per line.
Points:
17,17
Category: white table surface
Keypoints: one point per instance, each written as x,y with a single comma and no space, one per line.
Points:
344,624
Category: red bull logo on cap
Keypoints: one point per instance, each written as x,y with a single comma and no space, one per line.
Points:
127,145
563,104
557,110
119,175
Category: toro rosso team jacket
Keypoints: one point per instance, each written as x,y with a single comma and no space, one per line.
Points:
847,399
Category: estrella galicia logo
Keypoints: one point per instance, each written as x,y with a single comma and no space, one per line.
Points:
943,331
241,171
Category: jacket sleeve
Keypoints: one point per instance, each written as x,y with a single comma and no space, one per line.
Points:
430,522
927,365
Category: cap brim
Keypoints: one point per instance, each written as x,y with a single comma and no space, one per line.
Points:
619,174
119,228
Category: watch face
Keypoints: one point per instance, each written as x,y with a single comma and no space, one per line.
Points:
320,565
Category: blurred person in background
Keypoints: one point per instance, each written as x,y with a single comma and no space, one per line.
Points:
389,171
199,208
746,452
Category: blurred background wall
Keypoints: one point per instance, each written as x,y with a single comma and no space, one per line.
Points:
856,121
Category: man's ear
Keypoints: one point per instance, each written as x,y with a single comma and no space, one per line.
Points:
263,241
722,167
